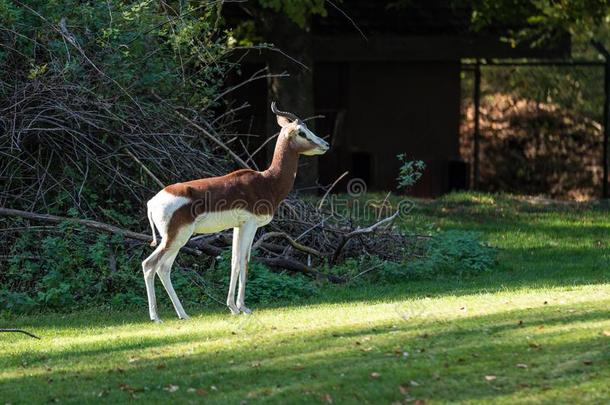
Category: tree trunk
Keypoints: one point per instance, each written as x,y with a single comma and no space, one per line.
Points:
294,93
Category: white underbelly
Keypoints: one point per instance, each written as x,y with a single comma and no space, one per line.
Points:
213,222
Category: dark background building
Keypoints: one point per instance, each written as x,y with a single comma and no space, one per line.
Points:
392,88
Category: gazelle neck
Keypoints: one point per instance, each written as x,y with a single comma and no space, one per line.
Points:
283,168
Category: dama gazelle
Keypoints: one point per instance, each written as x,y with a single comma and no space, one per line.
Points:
243,200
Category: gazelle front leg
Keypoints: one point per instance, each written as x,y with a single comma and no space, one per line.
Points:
247,236
234,271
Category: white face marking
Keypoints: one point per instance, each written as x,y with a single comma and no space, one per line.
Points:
322,145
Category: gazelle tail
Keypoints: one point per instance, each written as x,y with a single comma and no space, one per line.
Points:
152,226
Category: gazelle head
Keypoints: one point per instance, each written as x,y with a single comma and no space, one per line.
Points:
301,139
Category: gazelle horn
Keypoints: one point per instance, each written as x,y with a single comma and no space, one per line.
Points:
288,115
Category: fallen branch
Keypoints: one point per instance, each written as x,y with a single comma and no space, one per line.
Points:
291,241
299,267
25,332
362,273
100,226
195,247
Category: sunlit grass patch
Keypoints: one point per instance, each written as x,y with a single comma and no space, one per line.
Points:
538,337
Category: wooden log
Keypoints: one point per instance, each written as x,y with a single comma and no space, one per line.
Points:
196,247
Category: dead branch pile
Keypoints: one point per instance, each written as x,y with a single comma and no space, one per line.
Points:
333,236
304,234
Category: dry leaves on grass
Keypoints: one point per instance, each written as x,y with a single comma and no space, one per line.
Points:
171,388
327,398
199,391
129,389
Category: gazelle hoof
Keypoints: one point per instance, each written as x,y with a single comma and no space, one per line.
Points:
245,310
184,317
234,310
157,320
153,243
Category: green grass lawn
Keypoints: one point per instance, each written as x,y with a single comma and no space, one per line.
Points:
537,329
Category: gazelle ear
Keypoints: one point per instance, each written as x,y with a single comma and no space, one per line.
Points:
282,121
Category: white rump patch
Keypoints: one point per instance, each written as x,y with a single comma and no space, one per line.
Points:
163,205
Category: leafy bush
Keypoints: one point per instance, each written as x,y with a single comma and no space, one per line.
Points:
16,302
70,270
450,254
455,254
75,269
85,80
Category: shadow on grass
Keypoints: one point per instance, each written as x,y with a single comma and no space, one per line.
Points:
447,360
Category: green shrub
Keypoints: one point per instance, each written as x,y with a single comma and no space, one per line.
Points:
75,269
450,254
410,171
16,302
70,269
454,254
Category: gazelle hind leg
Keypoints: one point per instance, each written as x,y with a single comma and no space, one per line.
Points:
165,267
165,276
248,230
149,269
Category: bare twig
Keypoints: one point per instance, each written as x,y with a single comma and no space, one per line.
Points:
362,273
146,169
330,189
350,19
210,136
361,231
383,205
291,241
